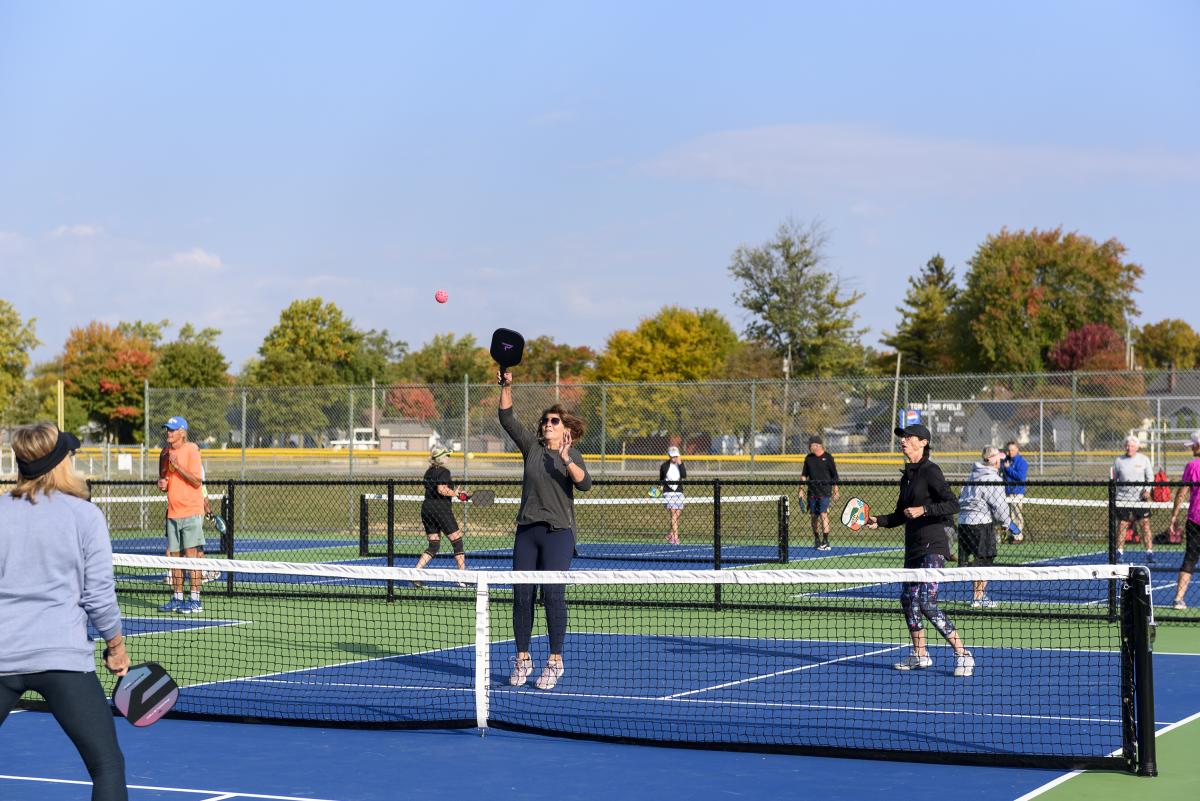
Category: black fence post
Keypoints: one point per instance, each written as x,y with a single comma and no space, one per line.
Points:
391,535
716,539
1113,547
784,533
1137,645
230,527
364,535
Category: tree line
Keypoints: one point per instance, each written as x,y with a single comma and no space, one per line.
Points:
1028,302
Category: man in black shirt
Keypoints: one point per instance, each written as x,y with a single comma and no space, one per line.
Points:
820,477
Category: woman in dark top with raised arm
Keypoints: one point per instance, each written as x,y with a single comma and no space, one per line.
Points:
545,538
924,506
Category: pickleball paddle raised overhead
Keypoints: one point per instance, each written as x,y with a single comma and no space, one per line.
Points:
507,348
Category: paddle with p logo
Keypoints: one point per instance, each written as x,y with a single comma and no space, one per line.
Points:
145,693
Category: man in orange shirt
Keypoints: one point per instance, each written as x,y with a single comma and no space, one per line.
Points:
185,512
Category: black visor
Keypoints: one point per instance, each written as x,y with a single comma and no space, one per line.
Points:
67,443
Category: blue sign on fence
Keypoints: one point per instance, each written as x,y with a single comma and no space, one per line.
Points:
911,417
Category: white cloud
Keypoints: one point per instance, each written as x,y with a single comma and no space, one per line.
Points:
861,159
196,258
79,230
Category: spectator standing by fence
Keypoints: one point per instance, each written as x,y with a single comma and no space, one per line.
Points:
1014,469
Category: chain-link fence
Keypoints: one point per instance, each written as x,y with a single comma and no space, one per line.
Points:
1069,425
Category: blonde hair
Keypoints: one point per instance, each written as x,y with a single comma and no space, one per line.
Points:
33,442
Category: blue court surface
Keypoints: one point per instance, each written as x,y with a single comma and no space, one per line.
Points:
229,762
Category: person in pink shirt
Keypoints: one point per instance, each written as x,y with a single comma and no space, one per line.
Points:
1191,554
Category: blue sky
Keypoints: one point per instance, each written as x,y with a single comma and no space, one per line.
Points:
568,168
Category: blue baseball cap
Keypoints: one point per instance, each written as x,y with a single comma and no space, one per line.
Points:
175,423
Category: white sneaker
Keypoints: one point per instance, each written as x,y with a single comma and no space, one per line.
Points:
520,672
1179,605
988,603
977,603
964,664
550,676
211,575
914,662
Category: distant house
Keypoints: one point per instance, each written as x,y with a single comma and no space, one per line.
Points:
1176,398
486,443
998,423
406,435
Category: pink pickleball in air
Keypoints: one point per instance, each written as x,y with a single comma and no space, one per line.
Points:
441,296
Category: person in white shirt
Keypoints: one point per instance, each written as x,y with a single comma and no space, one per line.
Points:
1134,476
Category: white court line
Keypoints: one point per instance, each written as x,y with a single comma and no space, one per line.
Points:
323,684
1034,793
213,795
780,673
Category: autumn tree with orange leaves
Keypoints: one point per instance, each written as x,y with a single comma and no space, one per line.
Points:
105,369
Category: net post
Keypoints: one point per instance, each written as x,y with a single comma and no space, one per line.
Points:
483,636
230,528
716,539
391,535
1137,641
364,540
1113,533
784,545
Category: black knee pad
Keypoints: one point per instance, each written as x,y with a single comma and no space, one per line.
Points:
457,544
432,549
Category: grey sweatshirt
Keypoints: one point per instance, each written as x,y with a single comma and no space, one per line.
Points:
56,573
1132,468
547,492
981,504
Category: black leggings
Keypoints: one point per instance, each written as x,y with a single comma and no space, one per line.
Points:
538,547
79,706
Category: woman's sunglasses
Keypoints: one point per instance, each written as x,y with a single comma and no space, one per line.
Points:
552,420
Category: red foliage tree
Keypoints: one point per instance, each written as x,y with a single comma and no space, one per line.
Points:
412,403
1093,347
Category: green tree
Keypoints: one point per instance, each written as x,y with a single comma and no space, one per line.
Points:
923,335
676,345
192,360
152,332
17,338
37,400
313,344
796,303
445,359
1025,291
543,353
106,371
1168,343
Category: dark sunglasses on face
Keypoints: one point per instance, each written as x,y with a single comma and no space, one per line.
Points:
551,420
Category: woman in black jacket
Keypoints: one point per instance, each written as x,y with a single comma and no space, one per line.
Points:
925,505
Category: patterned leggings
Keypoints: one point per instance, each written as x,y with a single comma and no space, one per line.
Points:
919,599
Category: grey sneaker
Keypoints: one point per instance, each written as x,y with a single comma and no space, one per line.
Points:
914,662
964,664
1179,604
520,672
550,676
983,603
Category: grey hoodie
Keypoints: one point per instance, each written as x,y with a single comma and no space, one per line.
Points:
980,505
56,574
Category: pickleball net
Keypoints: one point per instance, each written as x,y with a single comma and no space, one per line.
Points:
765,660
716,528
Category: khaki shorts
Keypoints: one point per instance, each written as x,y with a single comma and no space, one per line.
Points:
184,533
